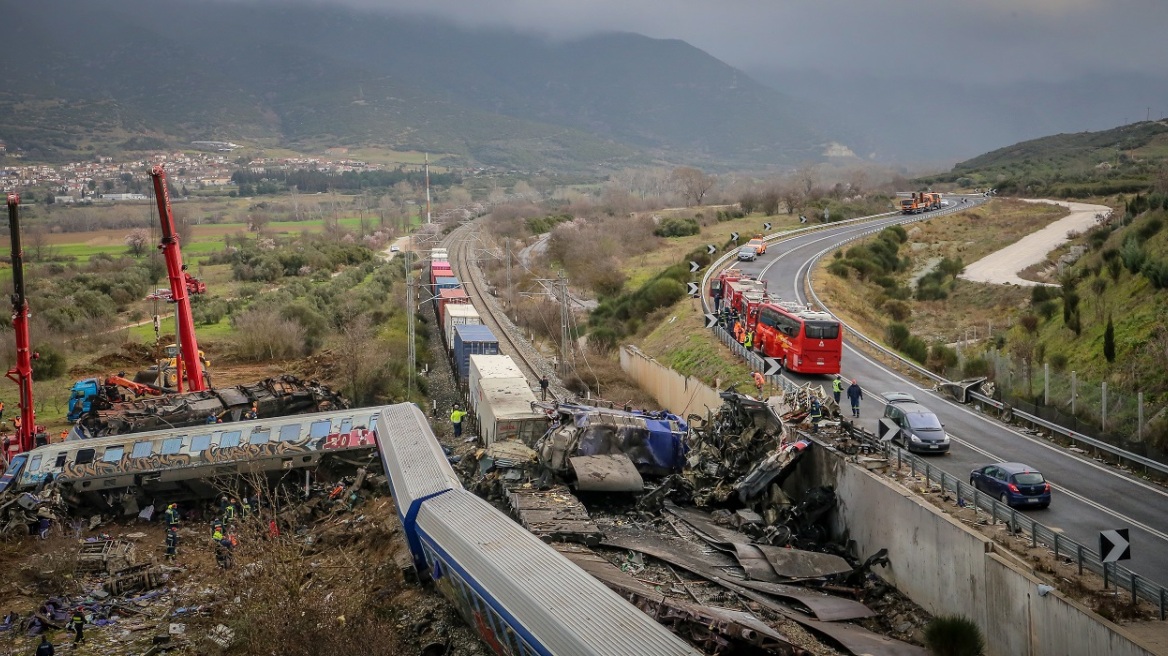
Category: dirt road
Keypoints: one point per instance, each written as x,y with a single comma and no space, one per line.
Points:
1002,267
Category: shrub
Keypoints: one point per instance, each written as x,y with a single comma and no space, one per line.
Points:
898,310
1149,228
897,334
677,227
263,335
1058,361
1047,309
941,358
1040,294
975,367
1133,255
50,364
916,349
1029,323
953,635
1156,271
929,290
838,268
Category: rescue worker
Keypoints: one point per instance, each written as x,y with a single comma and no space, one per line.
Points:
229,513
46,647
64,435
171,516
854,395
212,419
223,549
172,543
837,388
748,342
44,522
816,415
543,387
252,413
16,424
456,416
1,411
77,623
759,382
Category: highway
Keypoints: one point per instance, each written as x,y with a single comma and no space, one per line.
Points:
1088,496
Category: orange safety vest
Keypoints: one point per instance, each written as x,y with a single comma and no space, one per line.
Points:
759,381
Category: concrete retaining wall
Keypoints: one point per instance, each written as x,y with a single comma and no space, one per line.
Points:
678,394
948,568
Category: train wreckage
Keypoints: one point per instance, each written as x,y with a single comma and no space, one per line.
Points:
271,397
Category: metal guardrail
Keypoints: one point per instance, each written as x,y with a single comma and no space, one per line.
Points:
1021,524
1076,437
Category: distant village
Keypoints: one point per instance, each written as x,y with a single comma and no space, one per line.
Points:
104,180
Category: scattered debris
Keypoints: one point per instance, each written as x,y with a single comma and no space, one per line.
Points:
555,515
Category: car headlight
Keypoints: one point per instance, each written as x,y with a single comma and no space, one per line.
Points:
914,438
945,439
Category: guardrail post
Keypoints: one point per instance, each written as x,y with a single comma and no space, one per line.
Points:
1140,415
1163,605
1013,521
977,504
1104,576
1056,550
1045,383
1033,534
942,482
1074,390
1134,576
1103,425
912,466
928,475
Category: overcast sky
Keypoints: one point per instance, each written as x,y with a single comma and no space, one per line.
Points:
979,40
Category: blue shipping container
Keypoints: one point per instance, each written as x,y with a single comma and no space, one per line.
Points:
472,340
446,282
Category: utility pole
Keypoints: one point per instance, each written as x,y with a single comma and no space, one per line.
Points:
565,324
510,292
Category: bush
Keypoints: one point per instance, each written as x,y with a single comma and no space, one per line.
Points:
1156,271
898,310
1047,309
975,367
263,335
897,334
51,363
1040,294
1149,228
1133,255
942,358
677,227
1058,361
838,268
953,635
916,349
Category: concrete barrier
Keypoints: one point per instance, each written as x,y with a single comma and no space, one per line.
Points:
948,568
681,395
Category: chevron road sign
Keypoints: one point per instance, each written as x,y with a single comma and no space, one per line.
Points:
694,266
711,320
734,236
766,226
888,430
1114,545
692,289
710,249
774,367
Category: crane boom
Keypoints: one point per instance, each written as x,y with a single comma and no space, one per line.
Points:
188,345
21,373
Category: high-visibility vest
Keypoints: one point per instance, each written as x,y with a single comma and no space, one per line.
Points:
456,416
759,380
837,386
749,341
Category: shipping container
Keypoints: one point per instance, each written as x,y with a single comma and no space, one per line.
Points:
448,296
468,340
437,272
505,412
439,255
457,314
447,282
487,367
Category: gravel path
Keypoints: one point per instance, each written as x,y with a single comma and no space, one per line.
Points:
1002,267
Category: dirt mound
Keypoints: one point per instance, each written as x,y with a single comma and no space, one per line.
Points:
130,356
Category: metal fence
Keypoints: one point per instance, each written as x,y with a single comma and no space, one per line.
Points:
1060,545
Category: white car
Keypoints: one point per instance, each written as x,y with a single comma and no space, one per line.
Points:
394,249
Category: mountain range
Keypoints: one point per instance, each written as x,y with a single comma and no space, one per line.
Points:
80,75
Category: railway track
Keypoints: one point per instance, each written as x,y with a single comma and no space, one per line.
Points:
460,244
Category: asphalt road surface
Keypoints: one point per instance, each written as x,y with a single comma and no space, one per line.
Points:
1088,496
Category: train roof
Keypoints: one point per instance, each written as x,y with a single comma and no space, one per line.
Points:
495,366
508,397
413,458
564,609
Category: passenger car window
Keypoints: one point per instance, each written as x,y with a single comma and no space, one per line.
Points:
1029,478
142,449
113,453
199,443
924,421
229,439
35,463
289,432
260,437
84,456
172,446
320,428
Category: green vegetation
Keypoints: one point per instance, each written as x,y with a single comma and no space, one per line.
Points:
1125,160
954,635
675,226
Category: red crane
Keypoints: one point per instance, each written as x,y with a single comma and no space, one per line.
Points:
188,346
21,374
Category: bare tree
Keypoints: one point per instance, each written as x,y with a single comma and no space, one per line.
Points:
137,241
808,177
37,238
692,183
362,359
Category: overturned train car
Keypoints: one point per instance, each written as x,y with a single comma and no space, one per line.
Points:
273,397
126,471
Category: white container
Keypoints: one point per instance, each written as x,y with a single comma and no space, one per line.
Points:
504,411
458,314
484,366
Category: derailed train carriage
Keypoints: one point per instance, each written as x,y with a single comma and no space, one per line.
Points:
521,595
127,471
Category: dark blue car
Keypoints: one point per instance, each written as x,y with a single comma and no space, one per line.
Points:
1013,483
